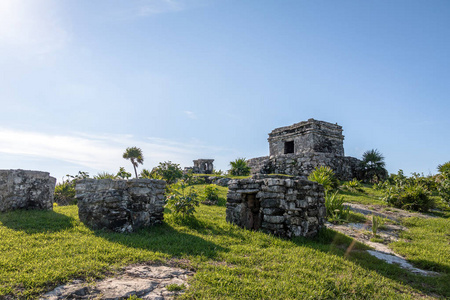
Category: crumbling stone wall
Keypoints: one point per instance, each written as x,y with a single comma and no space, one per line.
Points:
284,206
345,167
120,205
21,189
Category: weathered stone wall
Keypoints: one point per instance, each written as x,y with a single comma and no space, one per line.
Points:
21,189
120,205
283,206
345,167
307,136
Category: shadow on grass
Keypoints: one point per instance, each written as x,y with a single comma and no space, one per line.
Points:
165,239
339,244
36,221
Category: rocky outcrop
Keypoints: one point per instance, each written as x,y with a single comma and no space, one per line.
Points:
21,189
120,205
284,206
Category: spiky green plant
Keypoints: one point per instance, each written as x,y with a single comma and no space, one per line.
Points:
325,176
239,167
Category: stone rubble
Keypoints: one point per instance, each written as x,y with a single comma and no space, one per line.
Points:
22,189
144,281
120,205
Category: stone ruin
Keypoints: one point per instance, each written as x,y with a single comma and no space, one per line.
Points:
283,206
120,205
298,149
202,166
21,189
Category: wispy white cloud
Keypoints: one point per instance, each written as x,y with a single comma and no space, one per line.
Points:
190,114
31,28
101,152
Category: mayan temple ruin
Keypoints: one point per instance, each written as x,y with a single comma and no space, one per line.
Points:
298,149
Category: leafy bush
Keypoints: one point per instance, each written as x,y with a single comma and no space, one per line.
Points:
65,191
354,185
407,193
168,171
123,174
239,167
325,176
211,194
443,182
336,210
182,201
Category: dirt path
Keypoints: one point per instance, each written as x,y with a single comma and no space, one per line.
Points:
389,233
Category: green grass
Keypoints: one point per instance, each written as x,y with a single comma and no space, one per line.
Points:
200,190
426,243
369,196
40,250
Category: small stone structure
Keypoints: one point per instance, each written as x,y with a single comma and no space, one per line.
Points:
284,206
22,189
298,149
120,205
203,166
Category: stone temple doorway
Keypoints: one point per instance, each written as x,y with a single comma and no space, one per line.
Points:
252,212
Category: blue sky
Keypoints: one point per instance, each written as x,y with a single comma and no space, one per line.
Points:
83,80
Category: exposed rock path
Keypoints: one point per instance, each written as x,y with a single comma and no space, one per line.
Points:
390,233
145,281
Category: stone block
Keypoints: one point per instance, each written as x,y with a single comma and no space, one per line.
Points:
21,189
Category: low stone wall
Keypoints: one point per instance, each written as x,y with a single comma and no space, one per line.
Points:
21,189
345,167
284,206
120,205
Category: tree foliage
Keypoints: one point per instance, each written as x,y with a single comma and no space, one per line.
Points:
168,171
373,166
135,155
239,167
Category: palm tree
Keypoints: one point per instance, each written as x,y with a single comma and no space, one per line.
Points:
135,155
239,167
373,165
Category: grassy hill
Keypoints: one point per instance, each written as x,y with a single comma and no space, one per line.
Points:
40,250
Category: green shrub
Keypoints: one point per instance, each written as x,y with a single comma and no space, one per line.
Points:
325,176
65,193
168,171
408,193
123,174
239,167
182,201
354,186
211,194
336,211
